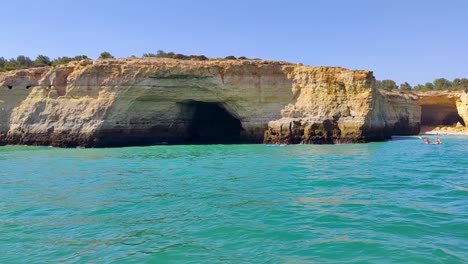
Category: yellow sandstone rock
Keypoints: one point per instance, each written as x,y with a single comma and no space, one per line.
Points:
443,111
119,102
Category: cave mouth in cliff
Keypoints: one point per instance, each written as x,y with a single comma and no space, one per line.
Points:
440,115
210,123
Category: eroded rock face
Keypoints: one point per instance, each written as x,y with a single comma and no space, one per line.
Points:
401,113
122,102
462,107
329,105
443,108
335,105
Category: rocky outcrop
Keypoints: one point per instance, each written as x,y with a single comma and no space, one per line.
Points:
328,105
335,105
462,107
399,110
121,102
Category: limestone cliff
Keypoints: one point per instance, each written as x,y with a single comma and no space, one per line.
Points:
443,109
328,105
335,105
400,111
121,102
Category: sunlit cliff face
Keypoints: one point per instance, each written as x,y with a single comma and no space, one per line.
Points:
127,102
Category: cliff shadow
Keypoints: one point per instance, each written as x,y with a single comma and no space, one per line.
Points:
209,123
433,115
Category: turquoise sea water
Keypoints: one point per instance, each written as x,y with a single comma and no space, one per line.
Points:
392,202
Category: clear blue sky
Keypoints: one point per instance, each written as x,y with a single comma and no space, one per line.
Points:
404,40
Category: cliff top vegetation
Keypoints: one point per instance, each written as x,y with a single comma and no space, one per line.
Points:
439,84
24,62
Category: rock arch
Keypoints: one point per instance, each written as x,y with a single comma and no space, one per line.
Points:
440,111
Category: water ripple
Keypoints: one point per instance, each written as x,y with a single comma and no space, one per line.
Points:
391,202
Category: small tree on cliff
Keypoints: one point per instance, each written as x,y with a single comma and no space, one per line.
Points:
3,61
378,84
457,84
429,86
105,55
24,61
42,60
442,84
389,85
405,86
419,88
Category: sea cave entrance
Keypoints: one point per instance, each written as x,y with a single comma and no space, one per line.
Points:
433,115
209,123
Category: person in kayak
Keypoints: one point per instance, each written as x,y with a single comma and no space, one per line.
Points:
427,141
437,141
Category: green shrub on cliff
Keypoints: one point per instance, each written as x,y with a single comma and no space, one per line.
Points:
429,86
443,84
419,87
11,65
439,84
389,85
179,56
405,86
386,84
23,62
2,62
105,55
173,55
149,55
41,61
460,84
65,60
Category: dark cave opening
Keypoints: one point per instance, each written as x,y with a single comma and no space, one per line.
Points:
209,123
440,115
